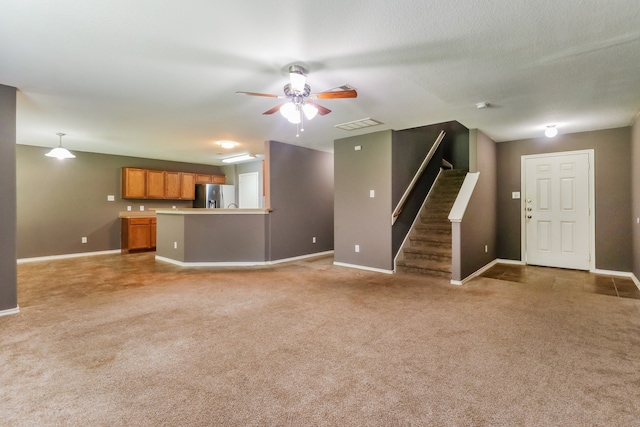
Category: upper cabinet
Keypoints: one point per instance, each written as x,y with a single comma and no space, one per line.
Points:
154,184
134,183
172,185
188,186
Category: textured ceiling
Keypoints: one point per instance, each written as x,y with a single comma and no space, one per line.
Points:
157,79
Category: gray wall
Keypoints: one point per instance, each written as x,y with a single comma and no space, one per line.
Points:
301,189
8,271
635,193
59,202
612,193
360,219
478,227
224,238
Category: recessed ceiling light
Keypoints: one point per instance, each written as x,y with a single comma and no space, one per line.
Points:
227,144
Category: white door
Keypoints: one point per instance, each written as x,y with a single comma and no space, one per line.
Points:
557,224
248,190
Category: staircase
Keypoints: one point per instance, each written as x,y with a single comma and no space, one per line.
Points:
427,251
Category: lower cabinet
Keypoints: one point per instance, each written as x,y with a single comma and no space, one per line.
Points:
138,234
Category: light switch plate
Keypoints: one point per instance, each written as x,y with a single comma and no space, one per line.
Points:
372,193
515,195
111,198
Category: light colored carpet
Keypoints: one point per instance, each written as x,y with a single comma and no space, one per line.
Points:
124,340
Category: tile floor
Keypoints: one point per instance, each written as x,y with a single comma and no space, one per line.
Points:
558,279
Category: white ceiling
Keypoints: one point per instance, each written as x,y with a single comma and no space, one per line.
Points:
157,78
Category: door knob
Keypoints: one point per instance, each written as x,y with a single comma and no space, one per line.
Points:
529,209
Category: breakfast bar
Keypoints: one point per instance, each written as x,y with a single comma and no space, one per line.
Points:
213,237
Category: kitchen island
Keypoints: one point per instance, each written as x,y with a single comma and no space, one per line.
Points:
213,237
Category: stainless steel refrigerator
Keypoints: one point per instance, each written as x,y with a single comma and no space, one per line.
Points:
212,196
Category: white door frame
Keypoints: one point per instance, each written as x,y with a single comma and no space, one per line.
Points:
592,205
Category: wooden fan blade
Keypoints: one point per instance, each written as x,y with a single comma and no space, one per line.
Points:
334,94
273,110
268,95
321,110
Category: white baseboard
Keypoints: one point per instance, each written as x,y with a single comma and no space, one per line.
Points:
54,257
297,258
239,264
362,267
10,311
482,270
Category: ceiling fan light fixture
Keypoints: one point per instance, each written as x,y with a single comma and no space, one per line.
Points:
290,112
60,152
310,111
298,78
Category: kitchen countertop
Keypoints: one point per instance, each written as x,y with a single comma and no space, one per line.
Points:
137,214
205,211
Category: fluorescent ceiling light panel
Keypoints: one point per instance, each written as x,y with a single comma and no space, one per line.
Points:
237,159
359,124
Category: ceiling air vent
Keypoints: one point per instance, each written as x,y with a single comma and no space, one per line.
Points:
358,124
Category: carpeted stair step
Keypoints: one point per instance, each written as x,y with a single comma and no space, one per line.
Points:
433,228
429,241
425,267
438,254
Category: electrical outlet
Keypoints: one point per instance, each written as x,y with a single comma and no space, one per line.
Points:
372,193
84,240
175,245
129,208
141,208
357,248
486,248
314,240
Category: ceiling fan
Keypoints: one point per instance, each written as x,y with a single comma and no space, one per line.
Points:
300,101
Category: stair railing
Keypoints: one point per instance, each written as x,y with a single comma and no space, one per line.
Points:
416,177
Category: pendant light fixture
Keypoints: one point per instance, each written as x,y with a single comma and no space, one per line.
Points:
60,152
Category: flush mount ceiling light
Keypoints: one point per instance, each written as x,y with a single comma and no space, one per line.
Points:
60,152
237,159
227,144
551,131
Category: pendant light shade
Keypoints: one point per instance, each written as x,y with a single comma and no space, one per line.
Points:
60,152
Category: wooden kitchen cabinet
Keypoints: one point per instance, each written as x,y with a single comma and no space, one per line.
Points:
172,185
138,234
188,186
210,179
152,233
168,185
155,184
203,179
134,183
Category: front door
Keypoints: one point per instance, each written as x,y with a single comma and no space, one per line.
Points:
557,222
